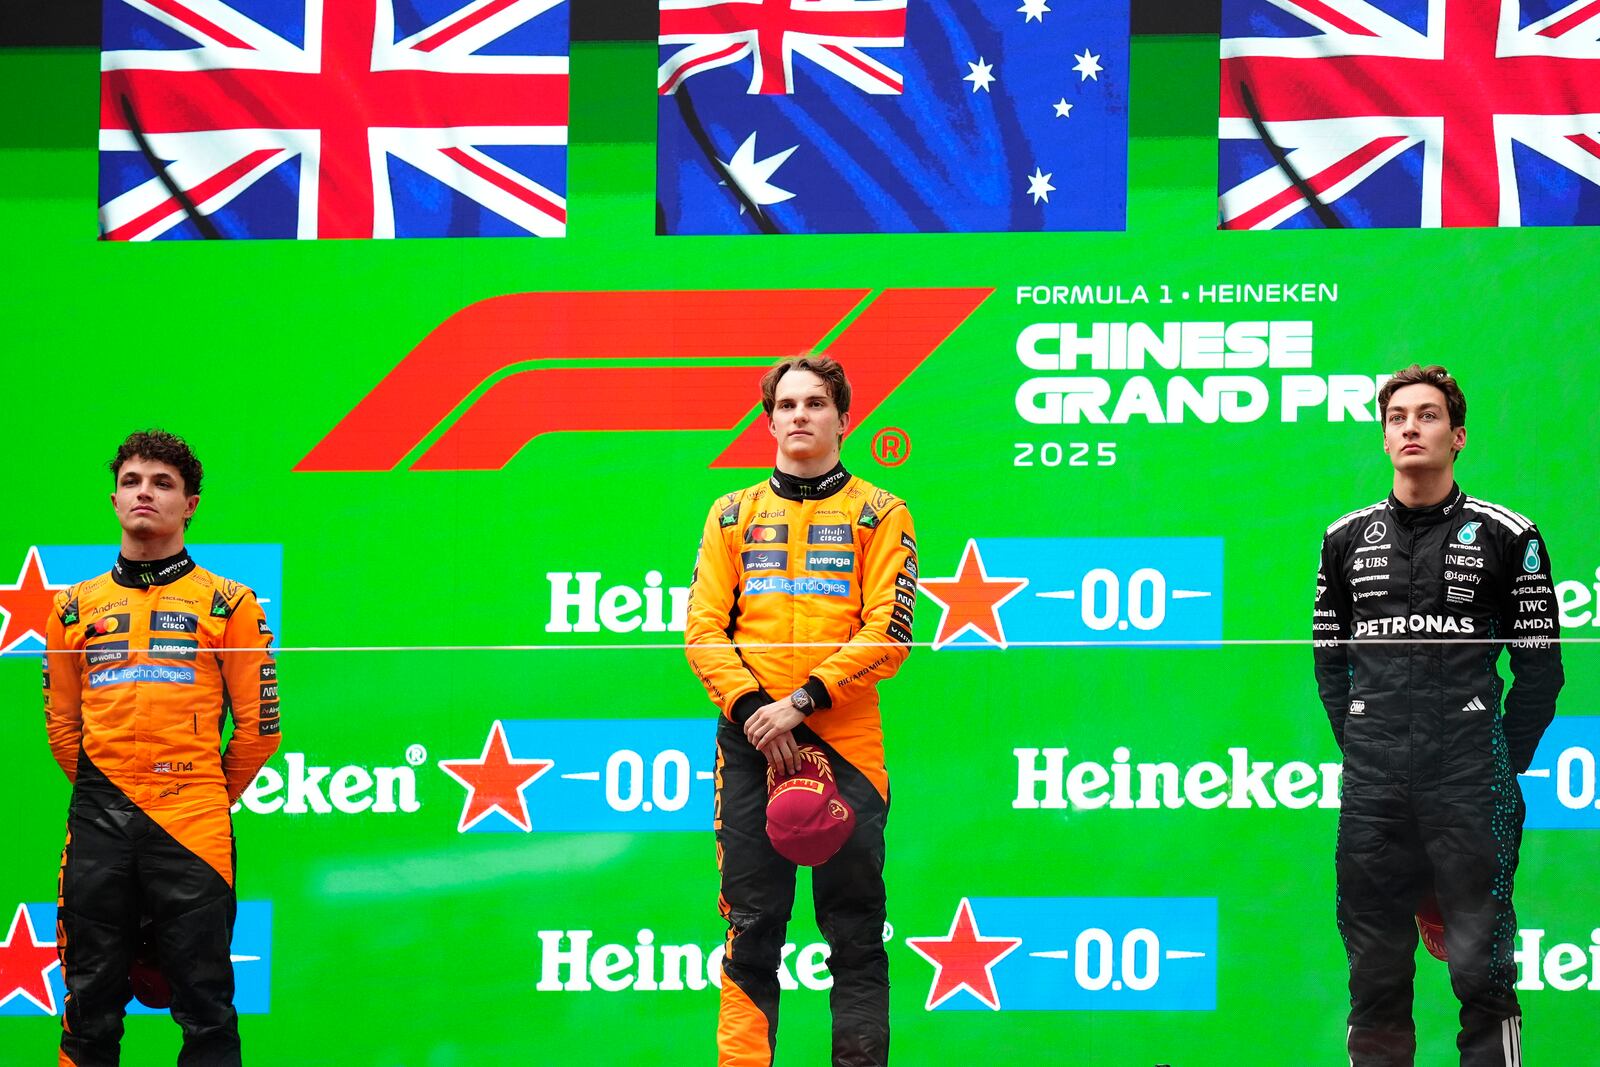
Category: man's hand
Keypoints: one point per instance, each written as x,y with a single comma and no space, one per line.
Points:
783,753
769,729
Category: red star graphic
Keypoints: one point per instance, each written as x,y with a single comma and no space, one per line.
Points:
971,600
963,959
26,604
495,781
26,963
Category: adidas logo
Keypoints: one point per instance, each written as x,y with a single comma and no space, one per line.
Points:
1475,705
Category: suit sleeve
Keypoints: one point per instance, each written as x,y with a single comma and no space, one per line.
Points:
251,676
63,692
1530,624
1330,627
713,596
888,597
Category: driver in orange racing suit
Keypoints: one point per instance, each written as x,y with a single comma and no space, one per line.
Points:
136,690
802,601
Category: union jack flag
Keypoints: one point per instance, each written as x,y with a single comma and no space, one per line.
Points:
1411,112
333,118
830,33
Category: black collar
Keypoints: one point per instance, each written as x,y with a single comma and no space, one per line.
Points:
792,488
1431,514
143,573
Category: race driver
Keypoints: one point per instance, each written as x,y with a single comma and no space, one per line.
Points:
145,665
1416,596
801,603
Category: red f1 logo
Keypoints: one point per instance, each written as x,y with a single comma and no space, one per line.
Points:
704,352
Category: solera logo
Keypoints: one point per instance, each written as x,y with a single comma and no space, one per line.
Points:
508,362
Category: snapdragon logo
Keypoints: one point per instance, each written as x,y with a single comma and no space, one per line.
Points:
1069,398
1045,779
290,784
570,962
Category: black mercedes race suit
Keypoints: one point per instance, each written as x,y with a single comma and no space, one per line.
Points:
1413,607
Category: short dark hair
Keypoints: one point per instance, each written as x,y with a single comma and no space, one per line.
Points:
1455,401
163,447
824,367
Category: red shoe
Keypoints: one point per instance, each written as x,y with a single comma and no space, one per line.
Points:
1430,924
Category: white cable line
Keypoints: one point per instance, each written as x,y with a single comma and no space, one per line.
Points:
1185,643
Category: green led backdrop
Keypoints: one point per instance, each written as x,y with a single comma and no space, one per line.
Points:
496,443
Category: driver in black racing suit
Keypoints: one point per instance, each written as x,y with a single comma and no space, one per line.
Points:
1416,595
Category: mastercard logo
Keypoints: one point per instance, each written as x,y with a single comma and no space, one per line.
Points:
766,534
111,625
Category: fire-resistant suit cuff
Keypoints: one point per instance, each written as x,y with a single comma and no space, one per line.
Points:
749,704
820,698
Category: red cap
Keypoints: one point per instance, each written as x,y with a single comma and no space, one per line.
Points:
150,986
807,820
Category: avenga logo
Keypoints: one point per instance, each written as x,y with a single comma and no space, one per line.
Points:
1044,780
1057,398
570,963
517,343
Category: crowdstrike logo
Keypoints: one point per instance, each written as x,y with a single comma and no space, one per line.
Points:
570,963
519,343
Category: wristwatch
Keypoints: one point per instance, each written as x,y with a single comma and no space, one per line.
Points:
802,702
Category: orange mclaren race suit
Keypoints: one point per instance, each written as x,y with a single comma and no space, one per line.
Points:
803,583
136,692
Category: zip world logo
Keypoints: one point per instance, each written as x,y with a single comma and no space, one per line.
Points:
1165,590
30,971
1075,954
500,372
47,569
589,776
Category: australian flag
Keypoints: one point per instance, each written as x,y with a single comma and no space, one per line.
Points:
892,116
1409,113
333,118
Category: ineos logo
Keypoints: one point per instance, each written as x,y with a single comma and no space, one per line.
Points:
1375,532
